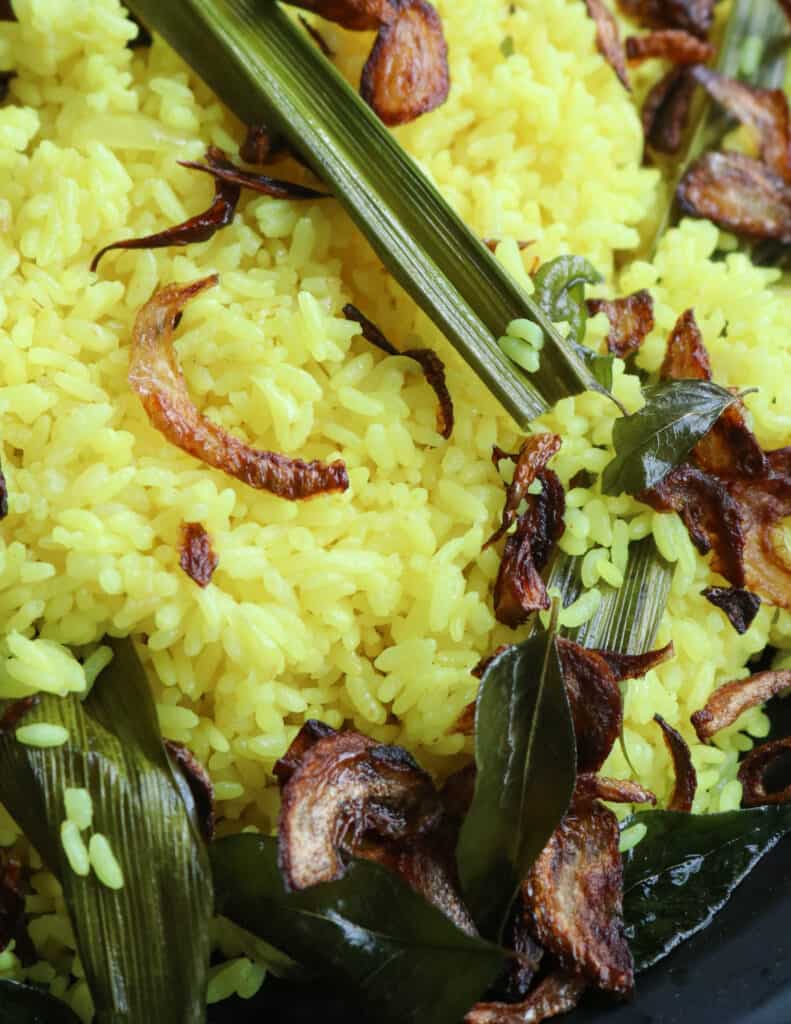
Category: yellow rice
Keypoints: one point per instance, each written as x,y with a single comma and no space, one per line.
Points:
371,607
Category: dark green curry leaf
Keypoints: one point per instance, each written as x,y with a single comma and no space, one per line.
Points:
24,1004
560,291
407,960
653,441
526,762
686,868
144,947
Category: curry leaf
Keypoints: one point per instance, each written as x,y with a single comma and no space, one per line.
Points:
657,438
24,1004
560,292
525,757
410,963
686,868
144,947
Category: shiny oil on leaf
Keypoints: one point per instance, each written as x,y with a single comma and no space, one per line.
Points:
657,438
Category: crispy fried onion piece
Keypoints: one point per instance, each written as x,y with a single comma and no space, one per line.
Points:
12,909
764,110
686,777
407,74
156,376
753,771
631,319
317,38
200,785
345,795
519,588
709,513
197,559
591,678
261,145
521,973
739,194
666,109
15,712
223,171
728,702
200,228
574,894
530,460
740,606
730,449
344,786
430,363
763,504
616,791
358,15
695,16
608,39
674,44
558,993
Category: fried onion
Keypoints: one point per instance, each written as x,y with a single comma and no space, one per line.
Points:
197,558
686,777
674,44
574,897
764,110
154,373
631,319
345,786
558,993
532,458
753,771
695,16
740,606
358,15
200,785
407,74
15,712
608,39
430,363
666,110
732,699
739,194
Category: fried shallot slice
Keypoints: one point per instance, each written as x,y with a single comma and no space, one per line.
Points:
407,73
591,678
763,503
730,449
345,795
695,16
764,110
753,771
358,15
674,44
617,791
347,785
197,559
223,170
666,110
530,460
317,38
631,320
732,699
558,993
15,712
686,777
261,145
710,514
740,606
13,927
200,785
200,228
154,373
739,194
574,897
519,588
608,39
430,363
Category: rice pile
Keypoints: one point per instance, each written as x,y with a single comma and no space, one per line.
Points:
371,607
